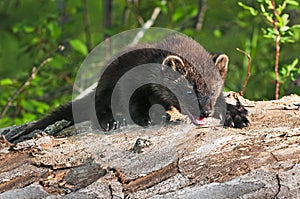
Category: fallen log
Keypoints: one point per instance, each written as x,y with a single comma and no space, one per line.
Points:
176,161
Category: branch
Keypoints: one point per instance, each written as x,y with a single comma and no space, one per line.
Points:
137,13
107,15
249,72
146,26
125,14
201,13
277,50
34,71
86,23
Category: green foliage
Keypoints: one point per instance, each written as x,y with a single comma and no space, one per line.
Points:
6,82
30,36
252,10
79,46
281,20
279,30
289,74
290,70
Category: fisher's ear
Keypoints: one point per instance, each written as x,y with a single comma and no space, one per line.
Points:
175,62
221,61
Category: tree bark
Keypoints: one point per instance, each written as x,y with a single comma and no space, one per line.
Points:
176,161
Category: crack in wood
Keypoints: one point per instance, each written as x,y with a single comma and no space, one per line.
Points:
275,158
279,186
110,191
152,178
19,182
177,166
270,145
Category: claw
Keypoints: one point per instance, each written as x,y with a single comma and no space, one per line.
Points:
115,125
124,123
107,127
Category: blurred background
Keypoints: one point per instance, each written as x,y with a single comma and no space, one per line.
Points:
31,31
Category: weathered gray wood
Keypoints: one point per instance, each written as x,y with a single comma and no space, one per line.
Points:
177,161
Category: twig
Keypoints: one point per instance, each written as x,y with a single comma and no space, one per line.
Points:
125,14
201,13
146,26
34,71
137,13
86,23
277,50
108,18
249,72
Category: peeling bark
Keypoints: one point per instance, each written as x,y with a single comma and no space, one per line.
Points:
179,161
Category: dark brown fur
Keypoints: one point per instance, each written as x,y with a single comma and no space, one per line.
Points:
205,73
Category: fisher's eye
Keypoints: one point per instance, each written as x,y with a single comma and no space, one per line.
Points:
213,92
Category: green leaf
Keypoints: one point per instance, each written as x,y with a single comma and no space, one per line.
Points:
284,28
249,8
294,63
296,26
285,19
284,71
178,15
280,8
269,3
79,46
193,12
163,6
27,105
164,9
217,33
34,105
293,2
6,121
16,28
54,30
262,8
41,107
270,18
6,82
26,117
28,29
58,61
